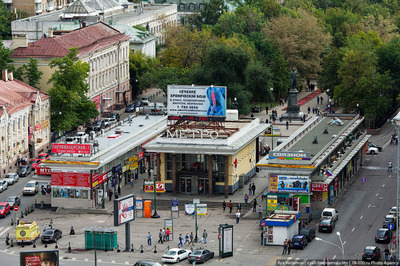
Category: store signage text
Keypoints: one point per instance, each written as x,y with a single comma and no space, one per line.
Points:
191,133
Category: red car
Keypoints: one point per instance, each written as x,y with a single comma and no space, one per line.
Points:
43,156
34,163
5,209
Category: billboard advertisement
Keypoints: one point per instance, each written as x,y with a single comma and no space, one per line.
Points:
124,210
71,148
39,258
293,184
43,171
70,179
187,100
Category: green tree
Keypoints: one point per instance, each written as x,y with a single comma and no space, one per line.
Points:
259,81
209,15
5,21
69,105
139,63
32,73
5,57
328,78
162,77
280,75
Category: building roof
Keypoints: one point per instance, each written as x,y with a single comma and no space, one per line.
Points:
16,95
87,40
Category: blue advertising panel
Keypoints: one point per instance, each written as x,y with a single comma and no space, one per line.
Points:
293,184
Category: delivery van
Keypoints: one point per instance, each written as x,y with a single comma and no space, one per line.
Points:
27,232
330,213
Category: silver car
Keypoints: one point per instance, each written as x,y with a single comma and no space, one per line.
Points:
3,185
11,178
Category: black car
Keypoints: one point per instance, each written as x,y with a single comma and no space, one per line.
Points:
51,235
13,201
200,255
389,219
326,225
98,125
308,232
130,108
370,144
255,109
115,116
383,235
24,170
371,253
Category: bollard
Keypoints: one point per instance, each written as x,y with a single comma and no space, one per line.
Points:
34,243
12,221
33,208
22,245
132,249
141,249
72,231
22,214
45,245
118,250
56,243
69,247
26,212
155,248
12,243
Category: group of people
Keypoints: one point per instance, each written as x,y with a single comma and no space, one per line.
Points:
394,139
287,246
252,188
163,235
315,110
117,192
320,100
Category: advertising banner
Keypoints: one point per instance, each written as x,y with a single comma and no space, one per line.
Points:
187,100
272,202
139,202
160,187
202,209
70,179
293,184
43,171
189,209
124,210
319,187
273,183
39,258
95,180
148,186
174,204
71,148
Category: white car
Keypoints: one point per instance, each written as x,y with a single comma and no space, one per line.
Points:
175,255
11,178
71,140
31,188
393,211
3,185
82,137
372,150
109,121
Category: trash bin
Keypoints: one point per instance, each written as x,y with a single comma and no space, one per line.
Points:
280,119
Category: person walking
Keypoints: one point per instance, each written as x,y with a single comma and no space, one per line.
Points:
390,166
223,205
230,205
259,211
191,238
116,195
284,247
167,232
237,216
289,246
110,193
180,244
287,125
19,161
246,198
164,235
254,205
250,188
149,239
253,187
308,109
322,100
266,109
386,254
262,237
317,99
119,189
187,239
205,236
160,236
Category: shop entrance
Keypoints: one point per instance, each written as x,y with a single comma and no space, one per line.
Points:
203,186
185,185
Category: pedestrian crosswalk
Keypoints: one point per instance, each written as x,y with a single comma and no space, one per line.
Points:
4,230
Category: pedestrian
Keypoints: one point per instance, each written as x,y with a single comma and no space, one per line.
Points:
266,109
254,205
191,239
144,184
239,206
308,109
387,254
131,181
317,100
167,232
205,236
160,236
322,100
246,198
230,205
249,188
119,189
187,239
284,247
287,125
289,246
390,166
262,237
259,211
180,241
19,160
116,195
149,239
51,224
110,193
237,216
164,235
223,205
45,227
253,187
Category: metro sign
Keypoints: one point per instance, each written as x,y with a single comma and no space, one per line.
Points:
160,187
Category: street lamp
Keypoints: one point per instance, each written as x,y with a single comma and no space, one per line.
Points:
396,124
272,94
358,108
341,248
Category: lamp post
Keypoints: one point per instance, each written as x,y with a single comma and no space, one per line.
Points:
196,238
358,108
396,124
341,248
155,214
235,103
272,94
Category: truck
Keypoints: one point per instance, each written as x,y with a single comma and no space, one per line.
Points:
27,232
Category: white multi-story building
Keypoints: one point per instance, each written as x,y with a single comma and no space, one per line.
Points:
24,122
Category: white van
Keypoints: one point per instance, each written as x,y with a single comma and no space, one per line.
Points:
330,213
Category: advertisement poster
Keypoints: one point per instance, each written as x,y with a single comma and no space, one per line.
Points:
272,202
293,184
169,224
71,148
189,209
202,209
174,205
273,183
70,179
319,187
160,187
148,186
43,171
187,100
39,258
124,210
228,239
139,202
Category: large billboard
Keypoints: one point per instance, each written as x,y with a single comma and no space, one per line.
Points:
39,258
71,148
186,100
124,210
283,183
70,179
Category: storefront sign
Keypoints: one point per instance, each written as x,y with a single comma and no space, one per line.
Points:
148,186
192,133
201,209
319,187
160,187
38,127
30,131
71,148
282,155
141,155
45,124
196,118
95,180
272,202
287,166
124,210
70,179
196,100
43,171
125,168
293,184
335,183
117,168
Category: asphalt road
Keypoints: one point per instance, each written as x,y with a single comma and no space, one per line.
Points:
362,208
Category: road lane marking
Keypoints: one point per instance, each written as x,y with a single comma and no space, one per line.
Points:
126,262
377,194
334,257
86,259
383,185
344,242
390,176
353,229
361,217
369,205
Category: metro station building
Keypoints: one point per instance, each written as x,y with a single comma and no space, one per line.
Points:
311,167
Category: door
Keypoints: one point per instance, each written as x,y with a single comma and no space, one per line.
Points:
185,185
203,186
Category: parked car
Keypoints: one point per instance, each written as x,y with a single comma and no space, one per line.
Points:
3,185
372,150
175,255
5,209
98,125
255,109
34,163
147,263
13,201
31,188
115,116
109,121
51,235
371,253
43,156
383,235
330,213
130,108
326,225
11,178
82,137
370,144
145,101
389,219
24,170
200,255
308,232
299,241
71,140
138,103
393,211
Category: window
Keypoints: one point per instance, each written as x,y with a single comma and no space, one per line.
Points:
192,7
201,6
182,6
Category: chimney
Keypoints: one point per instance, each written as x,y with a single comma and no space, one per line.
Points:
83,24
50,33
19,40
10,75
5,76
